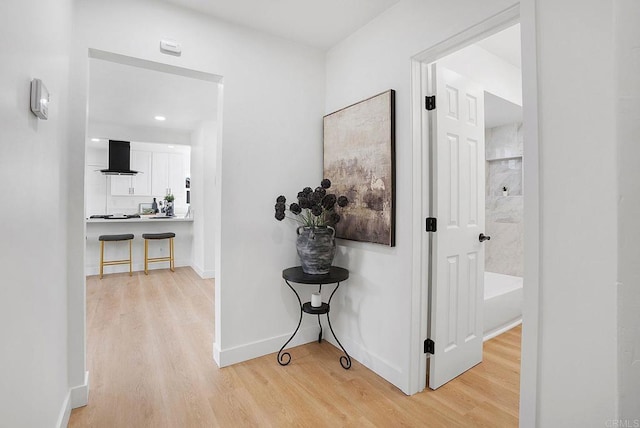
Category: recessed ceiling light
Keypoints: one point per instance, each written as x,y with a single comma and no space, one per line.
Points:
95,140
171,147
160,118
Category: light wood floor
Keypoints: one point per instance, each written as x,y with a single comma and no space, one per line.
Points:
150,362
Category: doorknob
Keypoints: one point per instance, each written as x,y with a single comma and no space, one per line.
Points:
483,237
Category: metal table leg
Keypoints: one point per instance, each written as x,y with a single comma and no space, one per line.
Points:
345,360
282,355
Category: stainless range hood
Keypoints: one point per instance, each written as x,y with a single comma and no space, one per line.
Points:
119,159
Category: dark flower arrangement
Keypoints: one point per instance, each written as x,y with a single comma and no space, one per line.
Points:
315,208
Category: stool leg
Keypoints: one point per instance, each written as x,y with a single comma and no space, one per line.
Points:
146,257
101,258
130,267
171,265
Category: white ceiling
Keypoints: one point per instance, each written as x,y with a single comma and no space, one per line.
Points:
505,44
319,24
131,97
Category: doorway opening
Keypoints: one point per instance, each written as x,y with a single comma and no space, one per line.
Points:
177,155
476,191
503,167
170,116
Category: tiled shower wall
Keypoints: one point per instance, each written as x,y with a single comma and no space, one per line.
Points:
504,209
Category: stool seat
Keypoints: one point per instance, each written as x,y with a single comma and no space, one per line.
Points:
123,237
165,235
157,236
114,238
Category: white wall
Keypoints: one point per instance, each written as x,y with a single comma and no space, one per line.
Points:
578,213
270,144
628,112
372,312
203,190
118,131
34,390
577,261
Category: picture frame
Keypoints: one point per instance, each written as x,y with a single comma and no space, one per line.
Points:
359,159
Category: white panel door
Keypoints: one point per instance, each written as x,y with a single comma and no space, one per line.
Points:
457,277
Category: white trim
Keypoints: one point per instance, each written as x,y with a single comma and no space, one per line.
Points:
373,362
529,371
204,274
138,267
79,395
502,329
531,294
238,354
421,178
479,31
65,412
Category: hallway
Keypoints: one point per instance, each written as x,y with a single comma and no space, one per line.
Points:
150,362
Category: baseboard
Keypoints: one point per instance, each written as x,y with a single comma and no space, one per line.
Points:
503,328
136,267
203,273
373,362
65,412
80,393
260,348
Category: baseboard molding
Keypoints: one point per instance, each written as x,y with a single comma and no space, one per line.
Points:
80,393
260,348
503,328
65,412
373,362
203,273
136,267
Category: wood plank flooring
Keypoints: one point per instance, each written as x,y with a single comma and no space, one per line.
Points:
150,361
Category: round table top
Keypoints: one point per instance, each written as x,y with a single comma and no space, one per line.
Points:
295,274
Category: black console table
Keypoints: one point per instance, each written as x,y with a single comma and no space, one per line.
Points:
335,276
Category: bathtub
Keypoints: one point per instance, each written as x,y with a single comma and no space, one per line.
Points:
502,303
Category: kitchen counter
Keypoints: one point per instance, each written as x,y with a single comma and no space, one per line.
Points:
142,219
183,242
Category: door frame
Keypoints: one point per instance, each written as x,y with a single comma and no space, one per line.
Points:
422,170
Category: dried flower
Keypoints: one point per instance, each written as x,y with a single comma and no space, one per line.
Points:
329,201
315,208
304,203
295,208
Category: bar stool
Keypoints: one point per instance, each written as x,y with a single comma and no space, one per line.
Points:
114,238
154,236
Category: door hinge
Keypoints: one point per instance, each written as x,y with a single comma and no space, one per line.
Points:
429,346
430,102
432,224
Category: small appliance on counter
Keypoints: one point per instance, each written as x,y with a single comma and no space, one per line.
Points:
115,216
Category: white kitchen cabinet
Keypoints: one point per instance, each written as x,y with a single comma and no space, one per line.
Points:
139,184
168,175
